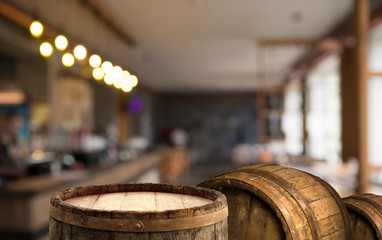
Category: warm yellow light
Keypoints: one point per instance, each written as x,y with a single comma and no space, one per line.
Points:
109,80
125,75
46,49
61,42
95,60
116,72
38,155
118,82
98,73
68,60
36,29
107,67
133,80
126,86
80,52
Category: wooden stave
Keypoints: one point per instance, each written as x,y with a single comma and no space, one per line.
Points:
366,206
61,231
327,187
212,183
208,214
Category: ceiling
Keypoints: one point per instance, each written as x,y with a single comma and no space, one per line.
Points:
197,45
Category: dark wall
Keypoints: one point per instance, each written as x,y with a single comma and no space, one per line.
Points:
214,126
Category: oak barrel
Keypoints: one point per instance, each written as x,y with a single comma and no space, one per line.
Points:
138,211
274,202
365,212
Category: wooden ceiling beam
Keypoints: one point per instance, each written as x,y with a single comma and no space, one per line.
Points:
111,22
22,19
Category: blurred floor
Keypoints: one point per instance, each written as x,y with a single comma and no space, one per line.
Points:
203,171
341,178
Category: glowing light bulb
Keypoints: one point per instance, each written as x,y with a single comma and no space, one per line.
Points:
118,82
61,42
98,73
80,52
116,72
36,29
125,75
126,87
107,67
109,80
133,80
95,60
46,49
68,60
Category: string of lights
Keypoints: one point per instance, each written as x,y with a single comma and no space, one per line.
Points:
106,71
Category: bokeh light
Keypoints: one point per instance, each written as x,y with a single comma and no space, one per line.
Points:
61,42
126,86
95,61
108,78
116,72
36,29
133,80
68,60
98,73
125,75
80,52
46,49
107,67
118,82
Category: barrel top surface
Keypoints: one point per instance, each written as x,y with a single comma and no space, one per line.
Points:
139,207
138,201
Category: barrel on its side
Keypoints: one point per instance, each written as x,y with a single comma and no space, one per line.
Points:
274,202
365,212
138,211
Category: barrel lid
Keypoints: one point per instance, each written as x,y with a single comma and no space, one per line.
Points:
139,201
139,207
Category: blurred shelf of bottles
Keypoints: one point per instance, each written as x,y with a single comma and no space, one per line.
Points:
106,71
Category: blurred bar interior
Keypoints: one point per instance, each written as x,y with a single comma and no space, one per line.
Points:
99,92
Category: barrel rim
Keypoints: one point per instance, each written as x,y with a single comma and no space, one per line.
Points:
218,199
138,221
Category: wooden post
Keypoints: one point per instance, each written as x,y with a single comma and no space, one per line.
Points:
354,95
362,29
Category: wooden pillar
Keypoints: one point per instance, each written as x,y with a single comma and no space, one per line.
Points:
354,95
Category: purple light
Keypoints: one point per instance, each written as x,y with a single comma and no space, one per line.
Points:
135,105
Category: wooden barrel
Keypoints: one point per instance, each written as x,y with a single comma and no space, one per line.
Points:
365,213
275,202
138,211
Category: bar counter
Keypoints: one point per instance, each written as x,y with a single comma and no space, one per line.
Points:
24,203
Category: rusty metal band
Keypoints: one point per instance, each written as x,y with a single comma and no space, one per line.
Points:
136,225
279,204
301,201
366,206
339,203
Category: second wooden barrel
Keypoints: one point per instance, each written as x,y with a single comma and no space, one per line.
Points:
365,211
138,211
274,202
